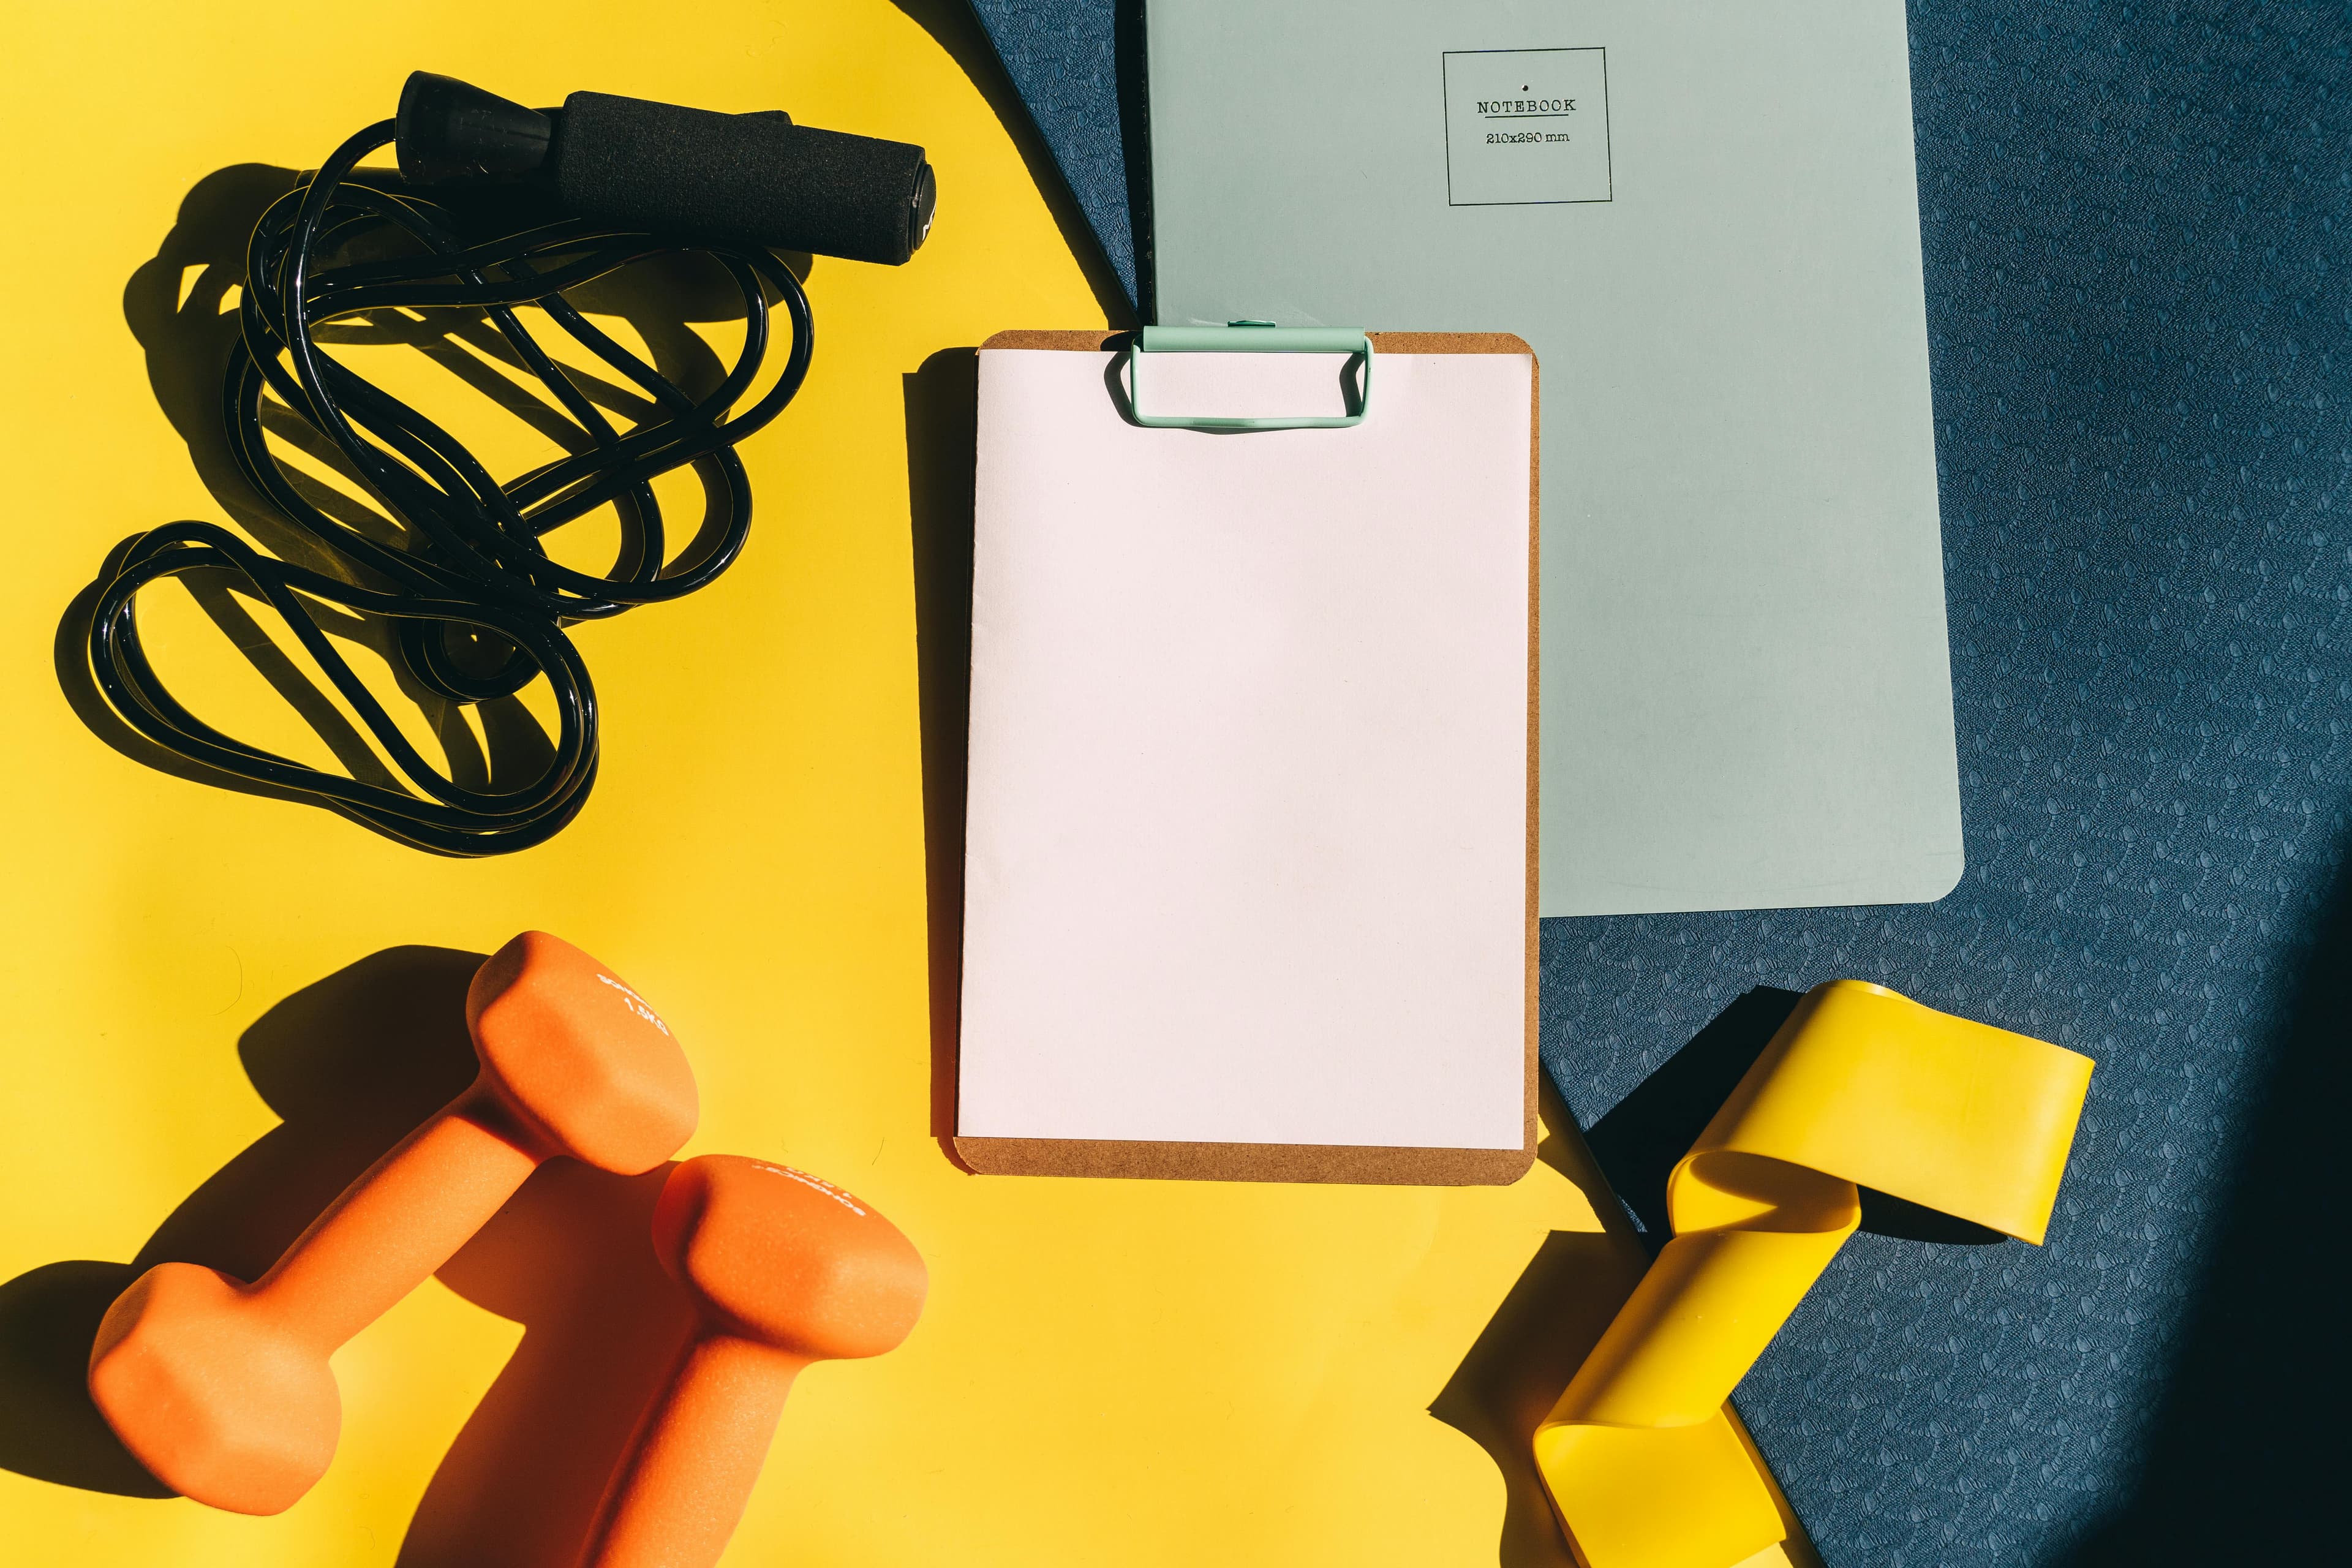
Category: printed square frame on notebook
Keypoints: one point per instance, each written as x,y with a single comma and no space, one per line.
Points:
1184,1159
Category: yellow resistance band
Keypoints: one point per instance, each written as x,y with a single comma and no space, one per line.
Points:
1861,1087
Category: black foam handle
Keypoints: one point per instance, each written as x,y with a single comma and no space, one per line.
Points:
757,177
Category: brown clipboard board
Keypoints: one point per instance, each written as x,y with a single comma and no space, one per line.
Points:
1319,1162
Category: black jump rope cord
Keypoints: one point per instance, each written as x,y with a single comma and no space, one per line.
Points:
471,559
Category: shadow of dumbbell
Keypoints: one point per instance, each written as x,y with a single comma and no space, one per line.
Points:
571,1259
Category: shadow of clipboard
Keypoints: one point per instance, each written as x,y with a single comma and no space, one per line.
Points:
1184,1160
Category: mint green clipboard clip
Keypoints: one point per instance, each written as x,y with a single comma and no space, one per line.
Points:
1247,337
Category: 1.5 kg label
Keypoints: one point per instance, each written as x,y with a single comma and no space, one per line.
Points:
1527,125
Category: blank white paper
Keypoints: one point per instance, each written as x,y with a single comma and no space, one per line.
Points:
1247,814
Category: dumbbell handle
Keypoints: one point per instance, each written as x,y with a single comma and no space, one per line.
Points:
698,1451
394,1227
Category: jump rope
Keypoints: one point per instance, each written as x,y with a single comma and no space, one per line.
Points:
481,609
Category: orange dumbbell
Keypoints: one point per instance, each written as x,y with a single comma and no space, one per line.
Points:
784,1269
222,1388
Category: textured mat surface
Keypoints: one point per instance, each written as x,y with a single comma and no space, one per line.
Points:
2139,286
1066,58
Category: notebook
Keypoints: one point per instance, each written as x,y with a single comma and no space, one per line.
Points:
1249,860
1704,218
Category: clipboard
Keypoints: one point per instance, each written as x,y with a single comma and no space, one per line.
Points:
1006,502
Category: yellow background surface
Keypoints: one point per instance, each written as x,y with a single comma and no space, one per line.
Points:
1131,1372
